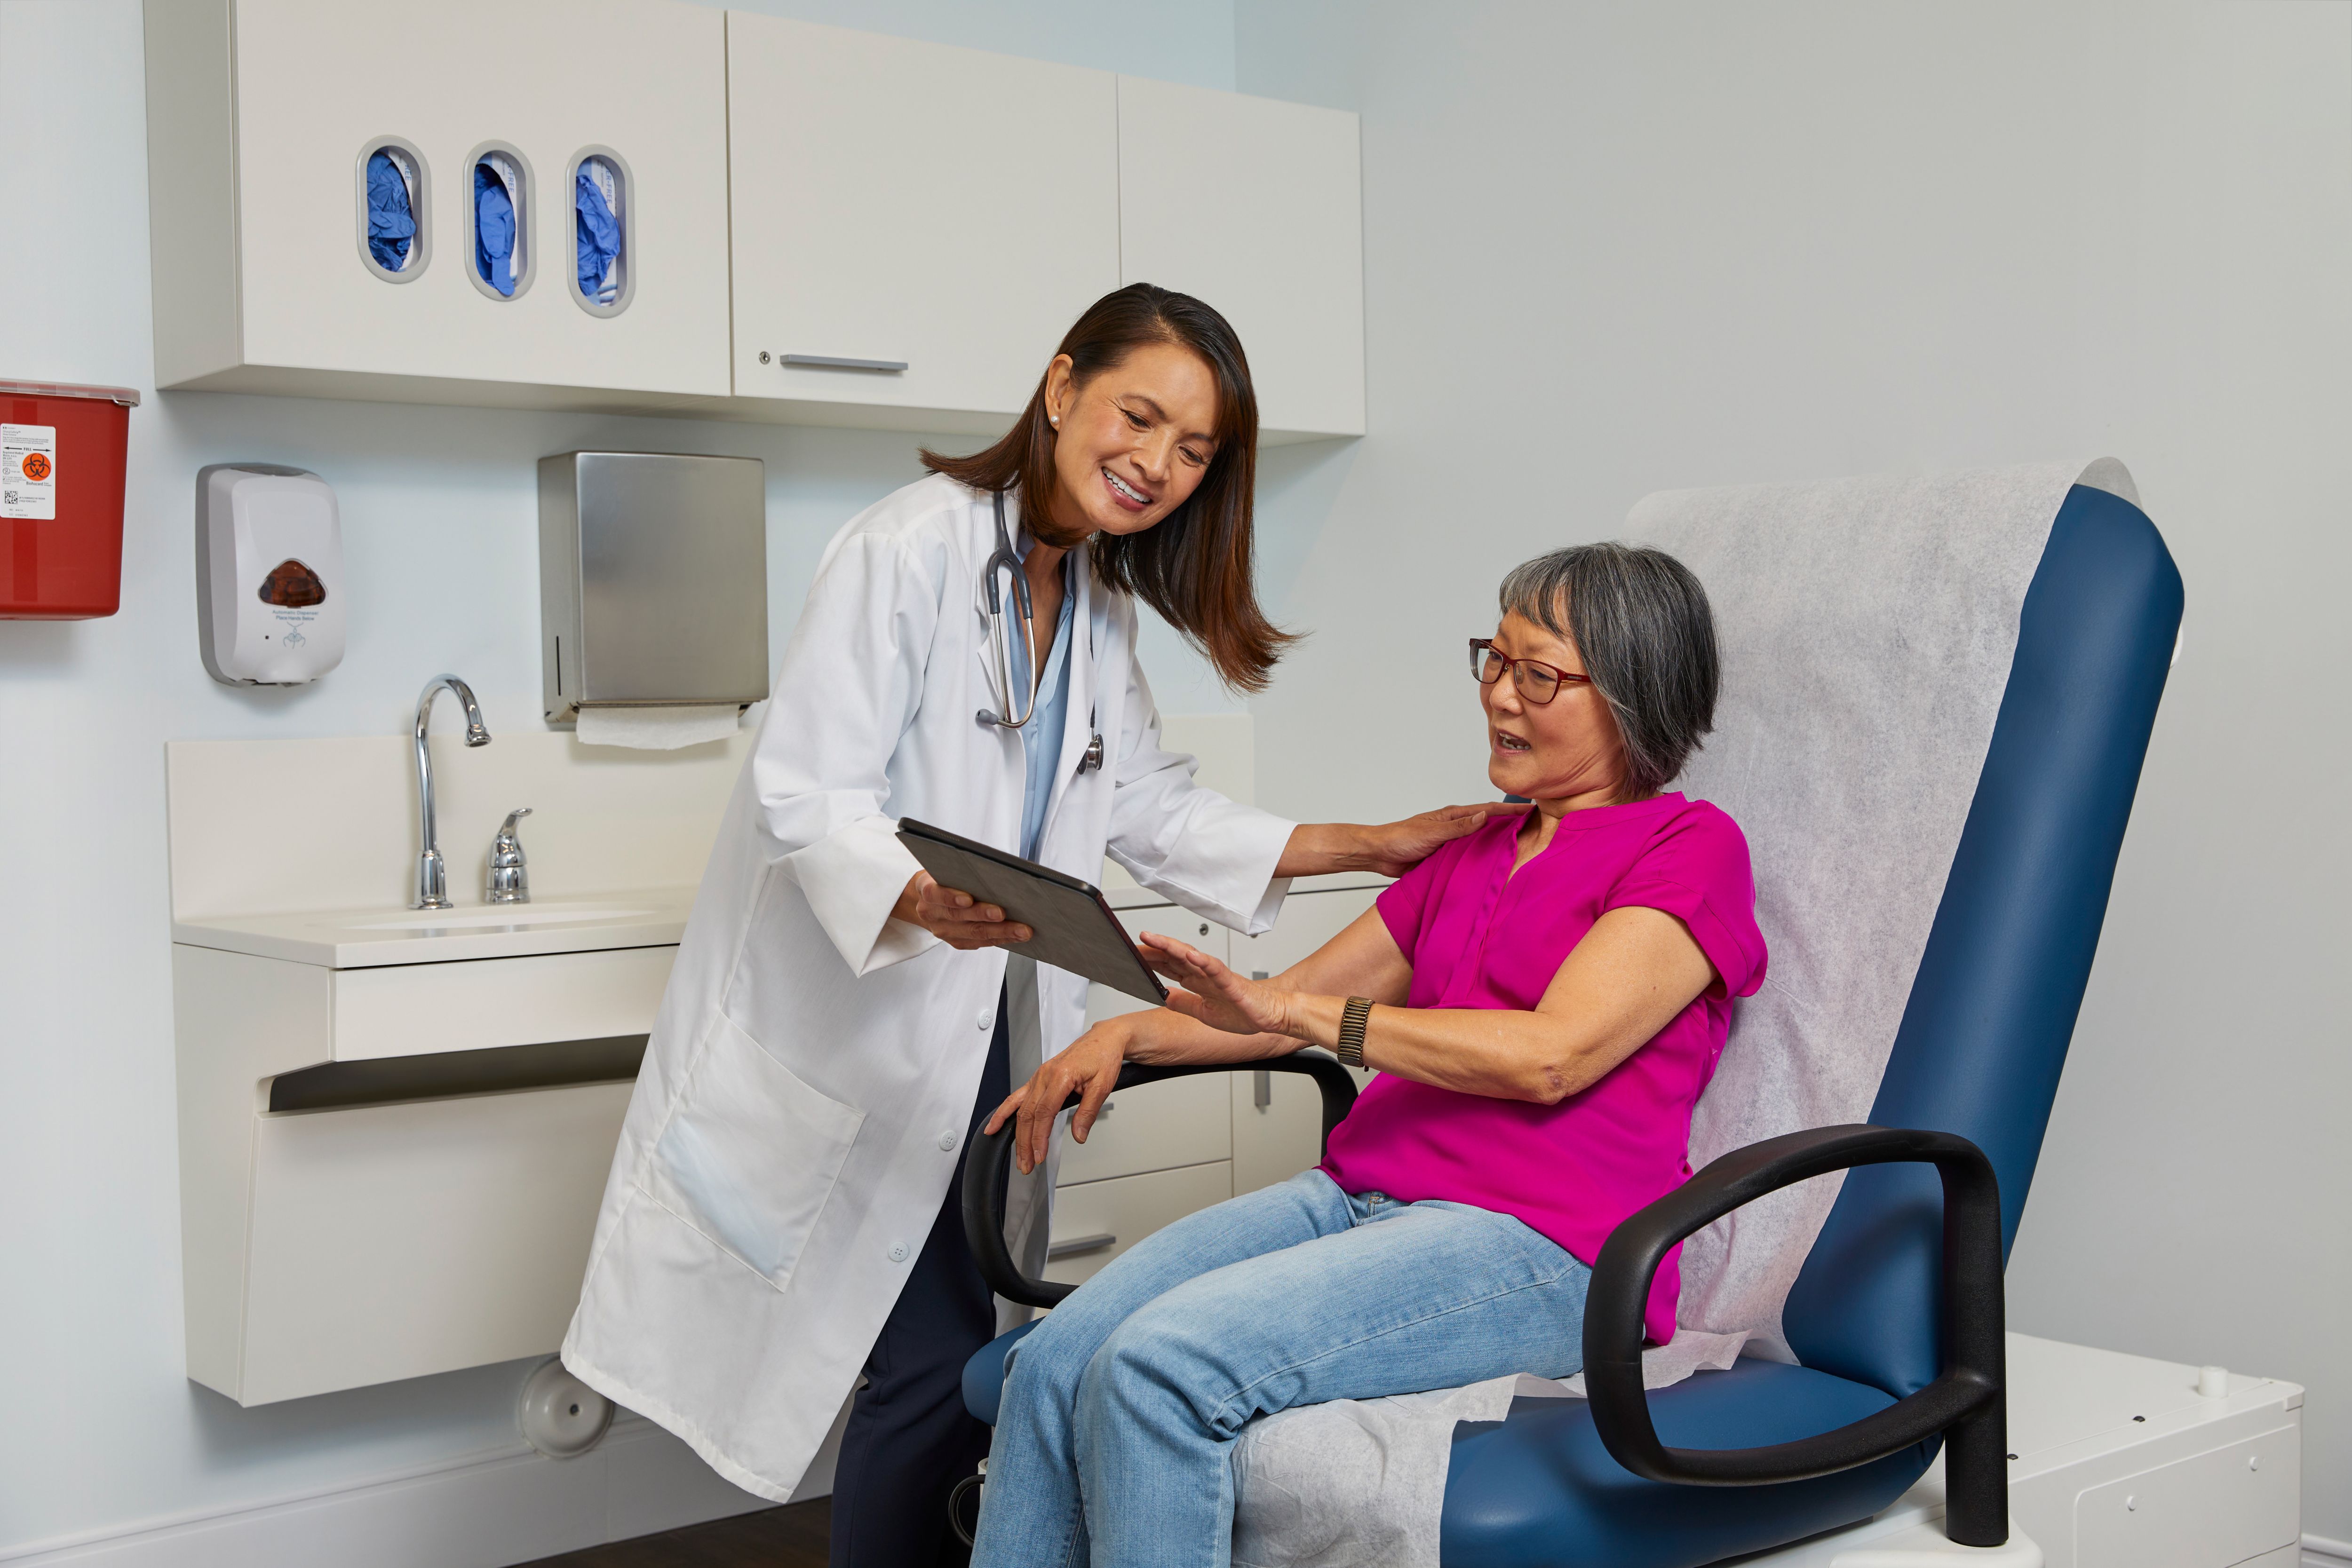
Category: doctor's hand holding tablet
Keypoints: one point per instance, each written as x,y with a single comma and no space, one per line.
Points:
784,1212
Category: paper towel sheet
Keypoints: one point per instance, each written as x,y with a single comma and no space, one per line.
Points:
1866,629
656,729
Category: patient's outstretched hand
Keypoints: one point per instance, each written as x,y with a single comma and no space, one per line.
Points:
1212,993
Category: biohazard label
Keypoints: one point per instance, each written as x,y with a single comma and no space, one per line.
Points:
29,470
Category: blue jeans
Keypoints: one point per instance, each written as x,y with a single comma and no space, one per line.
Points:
1121,1409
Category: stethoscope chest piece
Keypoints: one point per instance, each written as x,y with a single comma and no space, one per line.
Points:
1092,761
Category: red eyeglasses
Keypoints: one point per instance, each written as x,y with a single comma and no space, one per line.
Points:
1536,682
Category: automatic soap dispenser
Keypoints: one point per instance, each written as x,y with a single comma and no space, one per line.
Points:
270,575
653,570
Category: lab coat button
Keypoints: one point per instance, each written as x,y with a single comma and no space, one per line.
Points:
985,1017
897,1252
947,1140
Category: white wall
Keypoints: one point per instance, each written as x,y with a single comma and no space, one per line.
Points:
100,1427
1613,249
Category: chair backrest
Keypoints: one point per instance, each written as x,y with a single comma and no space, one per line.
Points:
1992,1007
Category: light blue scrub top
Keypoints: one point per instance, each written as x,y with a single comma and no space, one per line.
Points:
1041,737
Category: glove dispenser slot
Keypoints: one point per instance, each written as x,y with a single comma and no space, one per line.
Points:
499,206
395,209
604,209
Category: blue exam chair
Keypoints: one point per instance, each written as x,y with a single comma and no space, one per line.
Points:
1896,1316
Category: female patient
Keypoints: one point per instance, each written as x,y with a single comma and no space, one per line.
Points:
1543,1000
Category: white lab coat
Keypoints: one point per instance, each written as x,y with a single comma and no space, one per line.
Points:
806,1087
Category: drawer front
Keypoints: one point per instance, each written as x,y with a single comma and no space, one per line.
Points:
2222,1506
1156,1128
1107,1218
1308,921
402,1241
413,1010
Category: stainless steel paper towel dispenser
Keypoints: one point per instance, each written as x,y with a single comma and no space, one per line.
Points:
653,574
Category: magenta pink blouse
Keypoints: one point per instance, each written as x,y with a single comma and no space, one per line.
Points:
1478,936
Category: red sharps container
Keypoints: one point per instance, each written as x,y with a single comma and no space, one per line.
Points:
61,452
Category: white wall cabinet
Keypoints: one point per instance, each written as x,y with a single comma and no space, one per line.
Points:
260,117
1256,206
821,226
907,204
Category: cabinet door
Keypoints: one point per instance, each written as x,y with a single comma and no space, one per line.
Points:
316,85
1279,1116
1255,206
898,201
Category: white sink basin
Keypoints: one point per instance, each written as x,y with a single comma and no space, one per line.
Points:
505,915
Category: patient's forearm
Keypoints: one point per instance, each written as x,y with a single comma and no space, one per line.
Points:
1501,1053
1165,1039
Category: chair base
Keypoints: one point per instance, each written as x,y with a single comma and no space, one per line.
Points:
1925,1546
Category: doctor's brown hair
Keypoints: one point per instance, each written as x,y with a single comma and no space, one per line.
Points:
1194,566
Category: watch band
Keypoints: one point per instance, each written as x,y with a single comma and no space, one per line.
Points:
1352,1019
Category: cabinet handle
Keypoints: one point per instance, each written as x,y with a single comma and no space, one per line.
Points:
1262,1094
834,362
1056,1250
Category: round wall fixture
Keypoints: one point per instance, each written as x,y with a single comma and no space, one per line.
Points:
560,1416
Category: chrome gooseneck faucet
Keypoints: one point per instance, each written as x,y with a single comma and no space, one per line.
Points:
432,876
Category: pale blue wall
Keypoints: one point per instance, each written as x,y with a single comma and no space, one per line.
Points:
100,1429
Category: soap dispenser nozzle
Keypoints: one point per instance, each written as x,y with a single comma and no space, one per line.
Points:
510,880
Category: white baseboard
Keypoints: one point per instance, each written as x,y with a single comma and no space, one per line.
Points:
485,1510
2319,1552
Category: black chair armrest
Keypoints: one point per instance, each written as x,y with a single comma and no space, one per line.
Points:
1965,1403
988,1164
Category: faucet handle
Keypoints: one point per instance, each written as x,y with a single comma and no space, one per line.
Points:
509,882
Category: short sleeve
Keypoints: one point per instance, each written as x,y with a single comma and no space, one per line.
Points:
1697,871
1405,904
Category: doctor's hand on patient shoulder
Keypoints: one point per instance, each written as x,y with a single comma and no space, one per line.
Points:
1386,849
954,917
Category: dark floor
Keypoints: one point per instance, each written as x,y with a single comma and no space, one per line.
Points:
794,1536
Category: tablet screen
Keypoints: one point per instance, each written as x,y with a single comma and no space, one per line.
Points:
1073,929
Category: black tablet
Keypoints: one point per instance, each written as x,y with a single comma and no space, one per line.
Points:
1072,927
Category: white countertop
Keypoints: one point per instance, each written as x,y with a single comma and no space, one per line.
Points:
367,939
575,923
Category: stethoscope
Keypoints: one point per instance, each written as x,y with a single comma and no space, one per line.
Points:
1000,637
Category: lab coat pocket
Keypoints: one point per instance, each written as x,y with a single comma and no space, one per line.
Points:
752,1153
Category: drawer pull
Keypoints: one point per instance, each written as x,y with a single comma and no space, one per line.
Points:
835,363
1077,1245
441,1075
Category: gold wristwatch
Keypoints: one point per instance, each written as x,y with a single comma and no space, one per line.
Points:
1352,1019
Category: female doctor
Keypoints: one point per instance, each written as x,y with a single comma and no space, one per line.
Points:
784,1212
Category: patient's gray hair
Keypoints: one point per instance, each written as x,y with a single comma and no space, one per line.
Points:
1643,623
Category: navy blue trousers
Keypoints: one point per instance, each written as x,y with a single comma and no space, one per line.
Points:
910,1439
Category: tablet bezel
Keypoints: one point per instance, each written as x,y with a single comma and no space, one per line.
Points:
910,828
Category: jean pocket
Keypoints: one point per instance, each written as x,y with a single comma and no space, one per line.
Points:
752,1153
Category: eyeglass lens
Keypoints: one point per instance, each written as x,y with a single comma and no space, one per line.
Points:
1534,682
